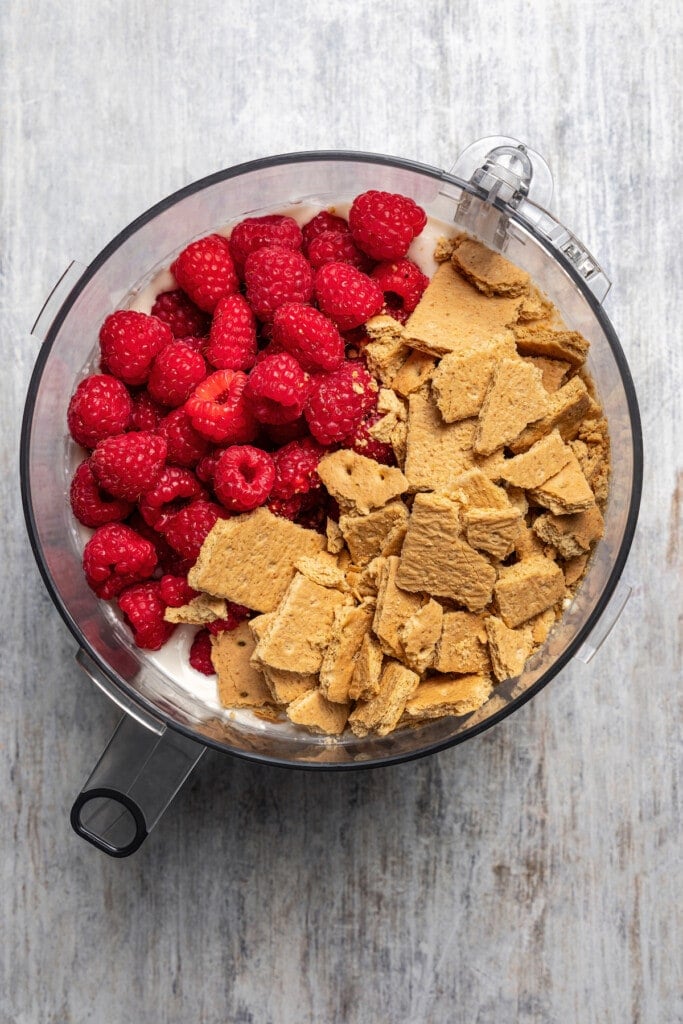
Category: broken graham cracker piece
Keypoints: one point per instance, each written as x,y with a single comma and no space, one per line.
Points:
387,351
509,648
284,686
555,344
360,484
349,627
301,630
318,714
452,314
199,611
543,460
367,535
534,306
541,625
445,695
553,371
335,540
461,380
527,589
474,489
566,409
436,452
488,271
572,535
437,560
381,714
574,569
462,645
515,398
527,543
240,684
492,530
415,372
566,492
367,669
419,636
250,558
322,568
394,606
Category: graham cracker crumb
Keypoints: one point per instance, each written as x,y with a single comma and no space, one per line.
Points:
415,372
394,606
199,611
543,460
539,340
240,684
387,350
367,536
515,397
574,569
335,539
566,409
318,714
572,535
462,646
509,648
553,371
437,452
534,306
348,629
474,489
566,492
488,271
460,381
359,484
367,670
527,544
527,589
541,625
419,636
448,695
492,530
323,568
381,713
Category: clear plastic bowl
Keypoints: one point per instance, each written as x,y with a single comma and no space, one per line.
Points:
126,673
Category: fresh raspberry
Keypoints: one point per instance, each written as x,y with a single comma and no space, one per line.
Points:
296,466
180,313
143,608
173,489
200,653
274,276
346,295
185,445
232,341
90,505
384,224
256,232
362,441
323,221
129,341
116,556
272,348
286,508
169,561
175,372
309,336
338,401
195,343
277,389
99,407
337,247
219,410
243,477
147,414
403,283
187,529
176,591
206,272
277,434
235,614
206,466
130,464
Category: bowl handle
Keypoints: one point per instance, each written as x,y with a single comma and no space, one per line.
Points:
131,786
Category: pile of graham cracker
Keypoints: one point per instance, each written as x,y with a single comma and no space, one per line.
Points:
445,573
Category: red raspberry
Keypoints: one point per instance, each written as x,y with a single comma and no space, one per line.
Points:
200,653
384,224
218,408
338,401
346,295
175,372
187,529
147,414
286,508
273,348
176,591
296,467
116,556
180,313
309,336
403,284
277,389
99,407
256,232
128,465
129,341
185,445
243,477
143,608
337,247
232,341
90,505
236,613
206,272
206,466
278,434
169,562
174,487
323,221
364,443
274,276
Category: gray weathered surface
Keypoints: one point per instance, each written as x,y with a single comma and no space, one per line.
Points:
533,875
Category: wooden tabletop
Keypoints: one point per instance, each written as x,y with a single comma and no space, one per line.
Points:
533,874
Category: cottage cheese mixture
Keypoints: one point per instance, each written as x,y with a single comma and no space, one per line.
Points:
405,534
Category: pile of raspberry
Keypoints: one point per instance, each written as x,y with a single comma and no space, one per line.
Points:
227,396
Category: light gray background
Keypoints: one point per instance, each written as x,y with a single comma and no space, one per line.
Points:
533,875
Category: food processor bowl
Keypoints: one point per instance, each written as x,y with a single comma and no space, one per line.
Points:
496,191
